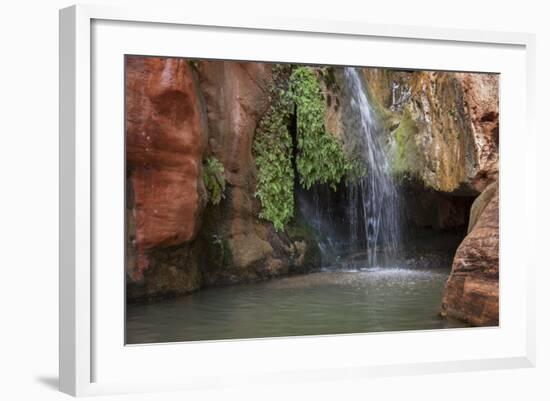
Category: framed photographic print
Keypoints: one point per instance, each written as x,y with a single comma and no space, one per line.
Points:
291,199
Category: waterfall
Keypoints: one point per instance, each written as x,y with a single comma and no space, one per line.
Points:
360,222
373,202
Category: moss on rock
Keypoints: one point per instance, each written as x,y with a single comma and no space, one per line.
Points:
405,161
430,134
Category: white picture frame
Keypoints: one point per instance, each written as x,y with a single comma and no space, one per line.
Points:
82,345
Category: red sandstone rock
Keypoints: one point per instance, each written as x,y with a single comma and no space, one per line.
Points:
236,96
164,145
481,99
472,290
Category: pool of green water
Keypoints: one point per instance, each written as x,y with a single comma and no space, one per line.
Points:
330,302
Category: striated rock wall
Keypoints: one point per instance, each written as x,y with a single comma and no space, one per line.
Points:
165,140
443,126
247,248
235,96
472,290
480,96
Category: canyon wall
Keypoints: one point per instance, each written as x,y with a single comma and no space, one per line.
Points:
443,126
165,140
242,246
440,130
179,114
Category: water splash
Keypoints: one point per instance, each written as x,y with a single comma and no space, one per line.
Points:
374,205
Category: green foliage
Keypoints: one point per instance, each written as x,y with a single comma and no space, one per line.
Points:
273,151
321,159
214,180
319,155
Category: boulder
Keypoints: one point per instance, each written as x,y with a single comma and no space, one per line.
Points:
480,203
472,291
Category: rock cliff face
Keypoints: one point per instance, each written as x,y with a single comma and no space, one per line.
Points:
480,94
472,290
165,140
444,126
178,114
440,130
236,96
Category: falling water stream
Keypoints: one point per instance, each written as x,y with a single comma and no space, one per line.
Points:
374,198
372,217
